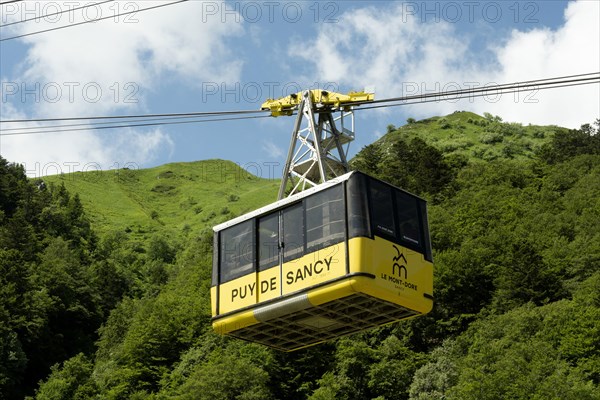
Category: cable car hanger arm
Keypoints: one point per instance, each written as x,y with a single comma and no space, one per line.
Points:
320,98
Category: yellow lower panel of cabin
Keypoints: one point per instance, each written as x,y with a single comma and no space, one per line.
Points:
386,283
238,294
341,315
294,276
401,275
314,268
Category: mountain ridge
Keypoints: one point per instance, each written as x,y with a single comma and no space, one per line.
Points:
170,196
141,201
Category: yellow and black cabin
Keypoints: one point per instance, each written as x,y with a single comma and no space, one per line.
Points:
347,255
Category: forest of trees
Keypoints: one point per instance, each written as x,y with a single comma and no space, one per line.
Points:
517,293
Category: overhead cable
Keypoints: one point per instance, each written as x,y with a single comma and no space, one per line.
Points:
92,20
140,120
56,13
165,115
195,121
588,78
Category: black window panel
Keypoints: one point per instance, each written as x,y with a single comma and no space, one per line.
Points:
325,218
408,216
358,212
293,232
215,270
268,241
382,209
425,225
237,251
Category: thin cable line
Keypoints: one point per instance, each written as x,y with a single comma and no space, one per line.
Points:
94,20
9,2
166,119
135,125
95,123
469,95
56,13
519,85
191,114
500,86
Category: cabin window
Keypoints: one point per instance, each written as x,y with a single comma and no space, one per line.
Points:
425,225
293,232
268,241
358,213
407,212
382,209
237,251
325,222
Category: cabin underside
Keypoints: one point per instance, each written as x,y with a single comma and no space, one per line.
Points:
320,323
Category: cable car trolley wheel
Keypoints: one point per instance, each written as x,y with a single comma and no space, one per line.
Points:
347,255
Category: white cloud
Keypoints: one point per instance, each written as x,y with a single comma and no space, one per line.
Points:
400,55
130,144
273,151
49,154
53,153
379,47
572,49
111,67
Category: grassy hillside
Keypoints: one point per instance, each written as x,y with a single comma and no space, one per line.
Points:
475,137
181,196
170,198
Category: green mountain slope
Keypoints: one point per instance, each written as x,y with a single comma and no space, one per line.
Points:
172,197
181,196
514,215
475,137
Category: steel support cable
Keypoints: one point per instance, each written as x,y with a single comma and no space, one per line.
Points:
93,20
121,117
56,13
136,125
393,99
512,86
498,88
521,85
164,119
463,96
549,83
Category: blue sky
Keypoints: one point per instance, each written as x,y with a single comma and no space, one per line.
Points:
217,56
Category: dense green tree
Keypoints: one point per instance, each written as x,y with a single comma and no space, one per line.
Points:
295,375
566,145
70,382
233,372
14,359
391,375
12,184
369,159
409,163
144,338
159,249
350,372
72,315
434,380
367,367
527,353
48,306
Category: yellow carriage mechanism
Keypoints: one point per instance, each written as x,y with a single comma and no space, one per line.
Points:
343,252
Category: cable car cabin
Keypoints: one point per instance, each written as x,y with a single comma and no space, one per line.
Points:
350,254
